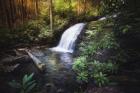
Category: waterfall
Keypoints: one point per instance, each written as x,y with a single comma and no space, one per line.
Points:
67,42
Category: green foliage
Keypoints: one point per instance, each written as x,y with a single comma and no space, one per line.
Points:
63,10
110,6
83,76
108,42
37,29
93,70
80,64
34,30
98,37
80,67
104,67
26,85
59,22
63,5
100,79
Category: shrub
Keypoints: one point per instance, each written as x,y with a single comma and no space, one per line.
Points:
80,64
26,85
98,37
100,79
93,70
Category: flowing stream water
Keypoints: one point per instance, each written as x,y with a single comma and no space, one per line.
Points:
67,42
58,61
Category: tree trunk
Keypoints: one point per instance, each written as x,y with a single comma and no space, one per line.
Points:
51,14
15,12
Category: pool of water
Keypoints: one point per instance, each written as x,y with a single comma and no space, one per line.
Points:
58,72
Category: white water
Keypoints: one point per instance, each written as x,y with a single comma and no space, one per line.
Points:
67,42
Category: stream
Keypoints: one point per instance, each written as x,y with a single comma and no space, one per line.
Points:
58,62
52,66
58,73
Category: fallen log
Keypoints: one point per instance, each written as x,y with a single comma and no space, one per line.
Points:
37,62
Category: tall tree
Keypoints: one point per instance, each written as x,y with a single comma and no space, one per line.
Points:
14,12
51,14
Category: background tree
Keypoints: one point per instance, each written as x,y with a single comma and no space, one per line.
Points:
51,14
14,12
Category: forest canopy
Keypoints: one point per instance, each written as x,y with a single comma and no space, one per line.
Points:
14,12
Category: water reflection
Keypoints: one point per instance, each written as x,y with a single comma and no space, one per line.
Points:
58,69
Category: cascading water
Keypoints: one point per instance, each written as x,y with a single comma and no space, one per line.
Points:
66,43
57,66
68,38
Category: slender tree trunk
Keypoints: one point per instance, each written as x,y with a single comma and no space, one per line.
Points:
78,7
85,7
51,14
7,9
36,7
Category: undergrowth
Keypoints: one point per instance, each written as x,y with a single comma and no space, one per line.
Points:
92,65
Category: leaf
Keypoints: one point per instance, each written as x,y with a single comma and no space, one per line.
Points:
24,79
27,78
29,83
